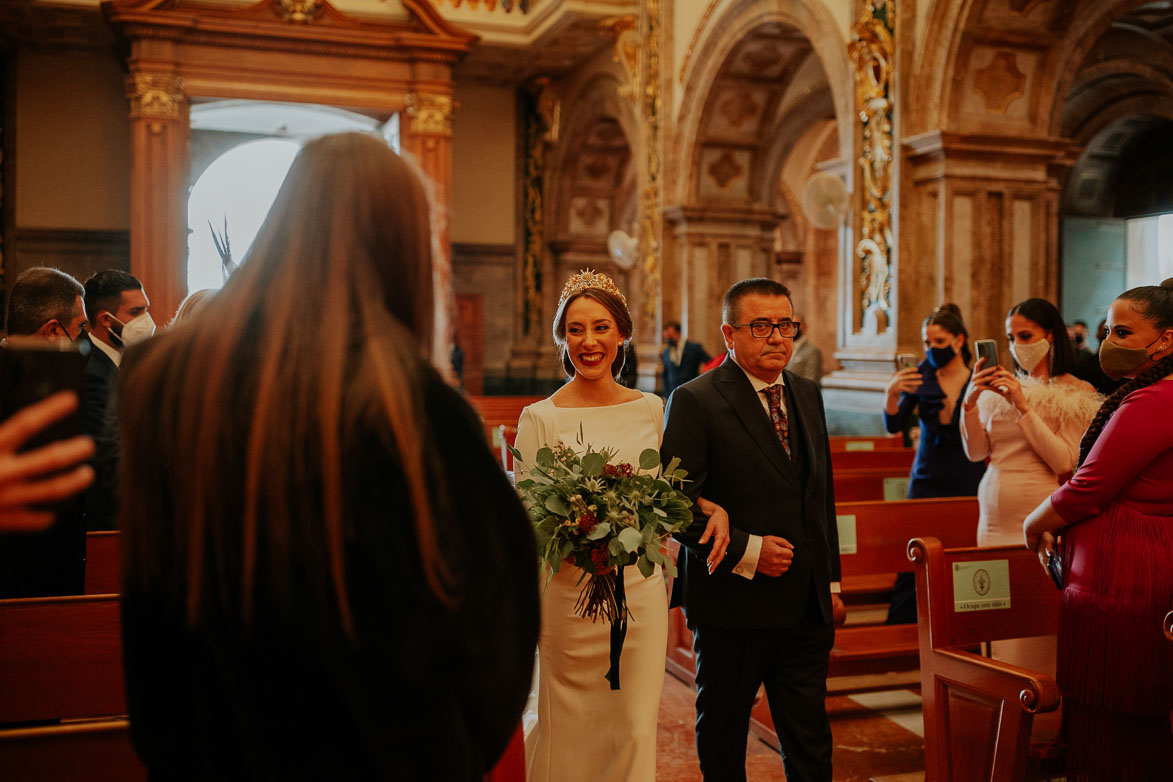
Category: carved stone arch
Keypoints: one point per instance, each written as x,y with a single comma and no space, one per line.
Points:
786,126
810,18
596,98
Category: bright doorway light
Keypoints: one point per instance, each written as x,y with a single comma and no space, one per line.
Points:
240,185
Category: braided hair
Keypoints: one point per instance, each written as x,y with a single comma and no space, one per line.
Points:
1157,306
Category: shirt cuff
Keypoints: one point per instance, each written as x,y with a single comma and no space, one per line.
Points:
748,566
835,587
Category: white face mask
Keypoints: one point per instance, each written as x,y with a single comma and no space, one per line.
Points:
1029,356
135,330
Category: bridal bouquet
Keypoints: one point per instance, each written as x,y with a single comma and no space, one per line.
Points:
602,516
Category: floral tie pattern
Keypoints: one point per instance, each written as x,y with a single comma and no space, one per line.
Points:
778,415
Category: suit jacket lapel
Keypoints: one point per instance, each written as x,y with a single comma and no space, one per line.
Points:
735,387
805,407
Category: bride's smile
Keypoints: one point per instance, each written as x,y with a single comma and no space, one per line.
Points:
592,338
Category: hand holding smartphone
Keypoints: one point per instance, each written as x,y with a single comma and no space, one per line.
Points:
905,361
987,349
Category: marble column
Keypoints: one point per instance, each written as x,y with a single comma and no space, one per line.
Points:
159,130
982,224
427,137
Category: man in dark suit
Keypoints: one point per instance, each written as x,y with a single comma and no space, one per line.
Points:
46,304
119,315
682,360
754,440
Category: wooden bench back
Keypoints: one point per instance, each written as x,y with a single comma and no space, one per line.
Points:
884,529
1034,600
102,557
98,751
979,712
60,657
864,443
861,485
900,460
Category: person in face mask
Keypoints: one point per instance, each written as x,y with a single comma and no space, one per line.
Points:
1027,423
119,313
1115,667
932,391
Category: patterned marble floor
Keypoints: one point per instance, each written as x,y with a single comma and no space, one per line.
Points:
877,736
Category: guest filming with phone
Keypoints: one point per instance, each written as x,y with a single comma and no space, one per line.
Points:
1027,422
933,390
1115,666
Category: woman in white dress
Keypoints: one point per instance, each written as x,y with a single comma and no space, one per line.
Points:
586,731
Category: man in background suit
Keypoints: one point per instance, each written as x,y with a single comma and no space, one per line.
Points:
682,361
46,305
119,315
753,439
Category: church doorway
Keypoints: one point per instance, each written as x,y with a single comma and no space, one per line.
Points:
241,151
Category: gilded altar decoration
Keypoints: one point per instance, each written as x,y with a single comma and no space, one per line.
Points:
297,11
538,132
627,51
872,51
154,96
430,114
651,195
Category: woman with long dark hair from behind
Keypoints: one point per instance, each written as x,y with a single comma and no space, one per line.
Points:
1115,667
326,574
933,390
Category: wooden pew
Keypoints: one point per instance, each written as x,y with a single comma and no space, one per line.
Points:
60,657
900,460
979,712
874,483
92,751
500,414
873,548
865,443
102,563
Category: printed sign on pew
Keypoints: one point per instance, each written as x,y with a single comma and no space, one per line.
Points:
981,586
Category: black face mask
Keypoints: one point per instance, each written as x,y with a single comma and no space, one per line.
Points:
1078,340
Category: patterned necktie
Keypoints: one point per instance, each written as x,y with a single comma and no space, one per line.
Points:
778,415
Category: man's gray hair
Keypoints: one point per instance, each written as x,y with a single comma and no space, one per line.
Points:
39,295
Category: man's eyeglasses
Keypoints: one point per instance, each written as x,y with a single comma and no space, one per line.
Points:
763,329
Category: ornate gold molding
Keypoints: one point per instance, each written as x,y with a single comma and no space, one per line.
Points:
297,11
872,51
155,96
430,114
628,48
651,196
534,170
696,37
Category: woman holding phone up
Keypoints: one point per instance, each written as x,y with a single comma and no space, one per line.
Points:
933,389
1028,423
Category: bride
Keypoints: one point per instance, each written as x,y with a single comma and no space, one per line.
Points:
585,730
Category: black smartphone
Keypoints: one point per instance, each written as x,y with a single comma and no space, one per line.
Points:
1055,566
987,349
32,369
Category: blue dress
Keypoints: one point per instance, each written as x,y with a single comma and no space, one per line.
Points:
941,468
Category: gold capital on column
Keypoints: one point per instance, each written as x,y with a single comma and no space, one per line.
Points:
155,96
430,114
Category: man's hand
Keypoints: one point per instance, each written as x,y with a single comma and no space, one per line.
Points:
838,610
776,556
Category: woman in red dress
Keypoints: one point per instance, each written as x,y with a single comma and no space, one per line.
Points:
1115,667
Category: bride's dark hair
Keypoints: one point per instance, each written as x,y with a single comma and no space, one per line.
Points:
618,311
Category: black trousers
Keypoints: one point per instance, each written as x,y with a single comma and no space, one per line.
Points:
792,663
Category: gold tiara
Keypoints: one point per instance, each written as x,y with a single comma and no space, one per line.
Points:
589,279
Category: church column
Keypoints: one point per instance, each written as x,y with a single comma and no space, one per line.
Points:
159,130
715,247
984,227
427,137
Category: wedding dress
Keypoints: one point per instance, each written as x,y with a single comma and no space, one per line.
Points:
585,731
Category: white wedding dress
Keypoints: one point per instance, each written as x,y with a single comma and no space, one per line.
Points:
587,732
